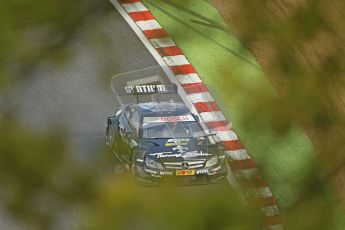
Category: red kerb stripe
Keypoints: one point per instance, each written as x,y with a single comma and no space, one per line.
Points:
272,220
183,69
217,125
206,106
128,1
141,16
242,164
195,87
169,51
255,182
265,201
157,33
232,145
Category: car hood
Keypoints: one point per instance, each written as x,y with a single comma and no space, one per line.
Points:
179,149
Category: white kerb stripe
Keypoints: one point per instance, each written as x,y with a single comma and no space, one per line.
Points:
270,210
228,135
275,227
188,78
134,7
176,60
212,116
264,192
240,154
148,25
162,42
200,97
258,192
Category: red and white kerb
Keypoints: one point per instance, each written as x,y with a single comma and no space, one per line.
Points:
242,165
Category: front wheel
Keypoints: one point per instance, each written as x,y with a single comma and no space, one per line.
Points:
133,166
110,138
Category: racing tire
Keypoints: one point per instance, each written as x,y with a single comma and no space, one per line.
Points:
110,136
133,167
112,133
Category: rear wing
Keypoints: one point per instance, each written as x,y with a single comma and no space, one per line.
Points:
138,90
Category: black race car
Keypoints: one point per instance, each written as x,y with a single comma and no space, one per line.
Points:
162,140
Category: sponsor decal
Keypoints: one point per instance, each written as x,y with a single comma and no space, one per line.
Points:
145,89
196,154
177,155
150,171
166,155
173,142
202,171
185,172
163,173
180,149
168,119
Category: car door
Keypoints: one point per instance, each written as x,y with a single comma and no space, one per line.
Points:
124,124
134,124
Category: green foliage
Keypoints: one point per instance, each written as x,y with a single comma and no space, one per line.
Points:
300,46
34,30
40,182
38,177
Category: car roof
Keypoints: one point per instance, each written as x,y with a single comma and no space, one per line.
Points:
161,108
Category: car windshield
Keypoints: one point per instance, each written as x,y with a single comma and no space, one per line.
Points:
171,127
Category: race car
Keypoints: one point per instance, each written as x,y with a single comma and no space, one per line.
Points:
161,140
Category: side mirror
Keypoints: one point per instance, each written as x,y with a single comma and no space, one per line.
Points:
133,143
211,133
196,117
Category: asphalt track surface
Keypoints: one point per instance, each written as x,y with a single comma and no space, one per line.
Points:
77,95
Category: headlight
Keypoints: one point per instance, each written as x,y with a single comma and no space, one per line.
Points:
153,164
211,162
